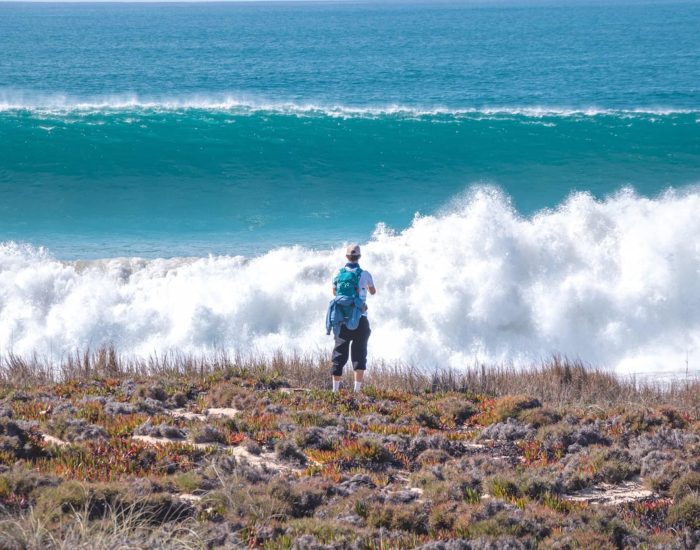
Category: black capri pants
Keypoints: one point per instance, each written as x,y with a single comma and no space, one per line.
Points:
358,350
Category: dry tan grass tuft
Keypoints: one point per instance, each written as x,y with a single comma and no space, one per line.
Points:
557,382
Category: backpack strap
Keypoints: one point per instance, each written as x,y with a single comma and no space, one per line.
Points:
358,272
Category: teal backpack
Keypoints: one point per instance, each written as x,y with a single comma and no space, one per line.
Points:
347,282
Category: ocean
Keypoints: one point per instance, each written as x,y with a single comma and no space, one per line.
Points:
522,177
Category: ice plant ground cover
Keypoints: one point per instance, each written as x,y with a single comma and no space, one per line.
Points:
177,453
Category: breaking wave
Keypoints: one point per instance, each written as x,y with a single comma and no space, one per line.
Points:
612,282
242,104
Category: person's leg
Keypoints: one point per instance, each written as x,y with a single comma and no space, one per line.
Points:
340,356
359,376
359,351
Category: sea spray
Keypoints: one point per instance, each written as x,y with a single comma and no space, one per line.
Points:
611,282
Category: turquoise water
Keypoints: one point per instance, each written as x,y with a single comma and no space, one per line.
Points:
189,129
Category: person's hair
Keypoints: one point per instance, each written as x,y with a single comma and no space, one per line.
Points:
352,257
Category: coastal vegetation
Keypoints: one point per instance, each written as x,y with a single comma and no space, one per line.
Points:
177,452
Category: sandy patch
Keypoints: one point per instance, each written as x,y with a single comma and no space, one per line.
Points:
605,493
168,441
226,412
51,440
263,459
187,415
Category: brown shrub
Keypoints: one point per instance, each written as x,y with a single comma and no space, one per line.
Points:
18,439
597,464
506,407
75,430
431,457
403,517
578,539
456,408
540,416
208,434
288,451
223,394
152,391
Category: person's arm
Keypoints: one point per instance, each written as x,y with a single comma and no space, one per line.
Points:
370,285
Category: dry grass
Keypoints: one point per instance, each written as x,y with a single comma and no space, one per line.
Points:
120,528
556,382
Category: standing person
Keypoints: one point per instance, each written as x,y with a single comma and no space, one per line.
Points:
352,341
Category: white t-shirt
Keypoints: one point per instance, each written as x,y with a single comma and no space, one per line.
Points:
365,281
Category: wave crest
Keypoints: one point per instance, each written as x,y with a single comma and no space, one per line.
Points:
244,105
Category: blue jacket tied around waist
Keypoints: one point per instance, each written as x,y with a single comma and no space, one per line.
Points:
344,310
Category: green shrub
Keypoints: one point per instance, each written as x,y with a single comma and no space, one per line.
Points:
615,466
70,496
428,418
686,512
537,488
74,497
502,524
471,495
187,482
441,518
25,482
502,487
596,464
312,418
686,485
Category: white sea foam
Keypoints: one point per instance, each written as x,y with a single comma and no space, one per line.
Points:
245,104
614,282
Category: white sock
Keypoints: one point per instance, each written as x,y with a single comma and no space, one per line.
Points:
336,385
357,387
